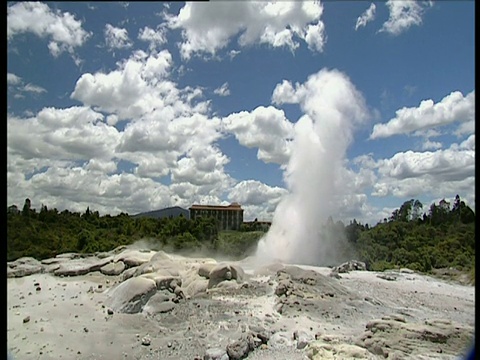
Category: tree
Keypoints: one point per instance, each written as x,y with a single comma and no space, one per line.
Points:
26,208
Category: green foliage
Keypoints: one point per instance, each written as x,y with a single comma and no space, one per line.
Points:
443,237
237,244
49,232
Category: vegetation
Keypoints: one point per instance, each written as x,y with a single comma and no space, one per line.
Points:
441,237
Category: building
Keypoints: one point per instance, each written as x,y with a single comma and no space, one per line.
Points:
229,217
170,212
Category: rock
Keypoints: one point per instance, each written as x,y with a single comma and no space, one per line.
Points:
352,265
26,319
24,266
280,339
215,354
164,282
133,258
394,335
238,349
81,266
159,303
146,341
302,338
283,287
160,267
225,271
321,350
131,295
387,277
113,268
127,274
204,269
196,287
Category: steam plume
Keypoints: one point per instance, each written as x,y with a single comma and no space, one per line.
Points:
331,106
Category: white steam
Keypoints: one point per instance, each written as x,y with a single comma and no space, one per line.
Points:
332,107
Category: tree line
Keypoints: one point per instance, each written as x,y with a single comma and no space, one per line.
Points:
443,236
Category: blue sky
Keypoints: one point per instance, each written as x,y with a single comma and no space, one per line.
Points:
131,107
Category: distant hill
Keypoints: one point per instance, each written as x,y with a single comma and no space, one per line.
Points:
174,211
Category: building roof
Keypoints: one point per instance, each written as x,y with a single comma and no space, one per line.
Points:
233,206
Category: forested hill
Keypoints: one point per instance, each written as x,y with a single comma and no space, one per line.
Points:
421,239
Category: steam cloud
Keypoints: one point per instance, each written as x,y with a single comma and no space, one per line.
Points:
332,107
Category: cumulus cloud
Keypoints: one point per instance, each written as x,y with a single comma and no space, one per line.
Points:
208,27
452,108
439,173
76,133
137,86
116,38
166,135
155,38
264,128
222,90
13,79
258,200
63,30
367,16
404,14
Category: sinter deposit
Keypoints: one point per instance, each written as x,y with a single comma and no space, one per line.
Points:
142,304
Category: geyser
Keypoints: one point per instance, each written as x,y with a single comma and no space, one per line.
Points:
332,107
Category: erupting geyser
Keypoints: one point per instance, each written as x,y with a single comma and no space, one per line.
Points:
331,106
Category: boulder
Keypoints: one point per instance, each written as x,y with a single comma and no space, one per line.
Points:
238,349
133,258
196,287
131,295
351,265
81,266
127,274
113,268
225,271
394,335
215,354
23,267
280,339
204,269
158,304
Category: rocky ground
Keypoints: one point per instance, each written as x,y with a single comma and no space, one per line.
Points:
141,304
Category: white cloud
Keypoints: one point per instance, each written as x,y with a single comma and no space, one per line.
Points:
222,90
258,200
116,38
367,16
284,93
155,38
404,14
17,87
57,154
208,27
264,128
34,89
431,145
13,79
452,108
138,86
72,134
66,33
442,173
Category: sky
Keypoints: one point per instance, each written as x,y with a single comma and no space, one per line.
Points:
133,107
